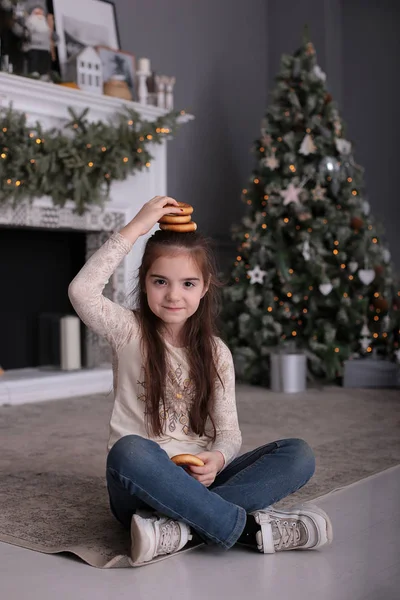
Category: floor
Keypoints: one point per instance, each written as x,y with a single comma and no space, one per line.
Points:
363,563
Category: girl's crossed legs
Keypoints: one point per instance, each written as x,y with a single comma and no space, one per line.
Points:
141,475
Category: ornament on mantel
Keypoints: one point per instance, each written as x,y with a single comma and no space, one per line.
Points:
256,275
85,69
318,193
307,146
169,95
325,288
291,194
343,146
366,276
143,72
271,162
318,72
160,90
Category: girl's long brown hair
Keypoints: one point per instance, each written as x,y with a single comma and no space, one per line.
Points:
197,334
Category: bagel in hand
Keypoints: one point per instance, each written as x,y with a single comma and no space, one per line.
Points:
187,209
187,460
181,223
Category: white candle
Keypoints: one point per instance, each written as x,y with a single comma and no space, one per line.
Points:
70,343
144,65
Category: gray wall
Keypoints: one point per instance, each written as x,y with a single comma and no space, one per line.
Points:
371,67
225,54
218,51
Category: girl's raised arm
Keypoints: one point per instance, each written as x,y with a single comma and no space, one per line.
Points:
101,315
106,318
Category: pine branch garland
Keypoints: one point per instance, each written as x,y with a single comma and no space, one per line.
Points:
78,163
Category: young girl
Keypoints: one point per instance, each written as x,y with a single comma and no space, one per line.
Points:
174,387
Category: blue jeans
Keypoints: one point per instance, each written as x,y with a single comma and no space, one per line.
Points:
141,475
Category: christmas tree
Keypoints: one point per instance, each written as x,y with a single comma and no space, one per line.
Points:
312,269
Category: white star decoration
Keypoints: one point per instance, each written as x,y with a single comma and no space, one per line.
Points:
318,193
256,275
271,162
291,194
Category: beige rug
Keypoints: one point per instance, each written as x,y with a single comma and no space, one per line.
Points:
53,496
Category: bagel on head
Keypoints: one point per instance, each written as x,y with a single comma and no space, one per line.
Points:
175,219
187,209
180,227
186,460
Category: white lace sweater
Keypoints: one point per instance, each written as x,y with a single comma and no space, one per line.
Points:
120,327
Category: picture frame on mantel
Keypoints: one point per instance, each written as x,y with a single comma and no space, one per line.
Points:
81,23
118,63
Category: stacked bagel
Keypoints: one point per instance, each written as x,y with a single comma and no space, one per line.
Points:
182,223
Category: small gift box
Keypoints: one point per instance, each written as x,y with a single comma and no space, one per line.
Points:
370,373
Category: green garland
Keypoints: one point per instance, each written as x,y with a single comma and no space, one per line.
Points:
78,164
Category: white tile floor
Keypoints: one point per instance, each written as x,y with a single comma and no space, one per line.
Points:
363,562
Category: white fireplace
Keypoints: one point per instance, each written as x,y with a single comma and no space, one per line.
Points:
48,104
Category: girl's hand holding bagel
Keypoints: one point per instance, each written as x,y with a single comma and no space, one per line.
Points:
183,460
181,223
186,209
213,462
153,211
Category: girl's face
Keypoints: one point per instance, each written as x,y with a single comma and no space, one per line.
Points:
174,288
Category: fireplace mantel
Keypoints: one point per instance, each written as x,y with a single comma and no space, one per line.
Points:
48,104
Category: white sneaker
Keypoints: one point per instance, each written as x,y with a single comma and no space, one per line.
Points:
302,527
156,535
